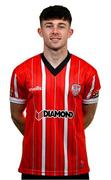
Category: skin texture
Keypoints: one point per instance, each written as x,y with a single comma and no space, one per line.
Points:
17,114
88,114
55,34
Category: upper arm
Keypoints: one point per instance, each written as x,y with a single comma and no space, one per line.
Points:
89,109
88,113
16,109
18,116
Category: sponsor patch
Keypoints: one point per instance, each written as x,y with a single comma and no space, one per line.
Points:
76,88
54,114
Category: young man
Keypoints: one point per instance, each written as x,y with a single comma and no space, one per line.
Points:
59,92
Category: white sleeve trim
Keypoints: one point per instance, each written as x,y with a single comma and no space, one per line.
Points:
17,101
90,101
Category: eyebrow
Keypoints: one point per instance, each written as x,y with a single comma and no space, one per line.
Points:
48,23
58,23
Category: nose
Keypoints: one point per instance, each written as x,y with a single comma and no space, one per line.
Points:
55,30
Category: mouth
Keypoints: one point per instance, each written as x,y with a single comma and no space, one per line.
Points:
55,39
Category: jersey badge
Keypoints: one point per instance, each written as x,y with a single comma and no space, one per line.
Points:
76,88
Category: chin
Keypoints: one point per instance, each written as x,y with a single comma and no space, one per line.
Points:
55,49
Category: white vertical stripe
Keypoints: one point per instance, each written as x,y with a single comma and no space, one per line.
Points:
66,120
43,119
92,87
15,86
33,137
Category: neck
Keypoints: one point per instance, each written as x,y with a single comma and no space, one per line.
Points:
55,57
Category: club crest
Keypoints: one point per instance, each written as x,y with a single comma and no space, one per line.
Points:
76,88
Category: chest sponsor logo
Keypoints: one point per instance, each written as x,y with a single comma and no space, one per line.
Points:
54,114
76,88
37,88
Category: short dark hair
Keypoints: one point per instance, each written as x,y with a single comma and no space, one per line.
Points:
55,12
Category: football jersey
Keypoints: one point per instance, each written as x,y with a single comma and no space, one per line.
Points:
54,139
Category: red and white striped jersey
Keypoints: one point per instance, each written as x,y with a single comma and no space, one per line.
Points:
54,139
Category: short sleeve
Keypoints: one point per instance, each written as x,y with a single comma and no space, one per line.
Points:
92,87
17,88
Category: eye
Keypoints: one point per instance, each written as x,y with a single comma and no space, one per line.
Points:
61,26
49,25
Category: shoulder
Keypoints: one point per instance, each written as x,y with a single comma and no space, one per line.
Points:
83,64
27,64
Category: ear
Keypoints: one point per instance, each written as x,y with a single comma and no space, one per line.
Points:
70,32
39,30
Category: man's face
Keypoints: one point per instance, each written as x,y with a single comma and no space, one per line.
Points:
55,33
